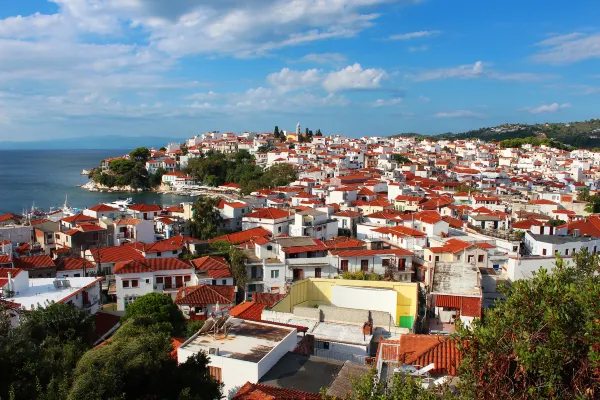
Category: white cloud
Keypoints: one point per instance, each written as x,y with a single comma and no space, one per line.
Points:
413,35
354,77
423,99
568,49
324,58
459,114
288,80
384,103
415,49
546,108
462,71
477,70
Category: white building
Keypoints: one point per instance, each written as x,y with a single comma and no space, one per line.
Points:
272,219
239,351
314,223
29,294
163,275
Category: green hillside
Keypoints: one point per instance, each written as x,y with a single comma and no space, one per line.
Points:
584,134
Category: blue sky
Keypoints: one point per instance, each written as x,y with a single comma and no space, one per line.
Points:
73,68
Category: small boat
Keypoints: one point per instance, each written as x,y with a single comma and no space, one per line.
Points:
121,203
68,210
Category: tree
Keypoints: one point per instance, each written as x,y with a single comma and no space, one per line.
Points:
184,150
37,358
318,133
137,364
163,149
220,246
238,259
206,221
399,387
157,308
464,188
141,154
543,342
400,159
556,222
276,132
594,204
583,194
279,175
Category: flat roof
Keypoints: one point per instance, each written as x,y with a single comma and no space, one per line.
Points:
245,340
456,278
329,331
554,239
300,372
42,291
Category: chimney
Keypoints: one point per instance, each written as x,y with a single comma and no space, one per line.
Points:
9,282
367,328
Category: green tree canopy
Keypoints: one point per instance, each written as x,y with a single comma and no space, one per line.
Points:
400,159
543,342
583,194
207,221
157,308
38,357
141,154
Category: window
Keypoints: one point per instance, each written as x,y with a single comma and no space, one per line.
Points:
134,283
317,272
269,248
224,282
344,265
125,284
279,229
159,279
480,258
76,275
437,258
515,248
158,254
275,274
566,252
147,280
430,258
214,282
385,263
543,252
364,265
174,251
322,345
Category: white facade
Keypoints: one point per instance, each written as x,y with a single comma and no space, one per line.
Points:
236,358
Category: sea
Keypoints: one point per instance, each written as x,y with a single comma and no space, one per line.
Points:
42,178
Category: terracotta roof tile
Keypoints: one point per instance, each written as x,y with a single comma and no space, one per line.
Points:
255,391
149,265
33,262
206,294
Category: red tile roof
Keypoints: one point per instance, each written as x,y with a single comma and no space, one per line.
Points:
103,208
269,299
319,245
256,391
370,253
149,265
243,236
10,216
32,262
215,267
115,254
74,263
468,306
205,294
268,213
78,218
14,271
423,350
248,310
145,207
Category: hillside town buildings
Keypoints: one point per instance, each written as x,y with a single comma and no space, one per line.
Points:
367,259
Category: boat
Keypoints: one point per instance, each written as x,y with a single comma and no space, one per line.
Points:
68,210
121,203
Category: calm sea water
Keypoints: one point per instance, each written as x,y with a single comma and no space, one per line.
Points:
46,176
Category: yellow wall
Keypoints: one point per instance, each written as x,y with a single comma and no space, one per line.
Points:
317,291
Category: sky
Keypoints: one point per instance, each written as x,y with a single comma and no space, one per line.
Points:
81,68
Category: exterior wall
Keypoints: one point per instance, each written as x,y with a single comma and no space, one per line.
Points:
538,248
94,299
370,299
314,291
523,268
277,227
16,234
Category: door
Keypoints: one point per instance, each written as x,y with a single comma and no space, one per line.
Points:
344,265
179,281
317,272
298,274
364,265
401,264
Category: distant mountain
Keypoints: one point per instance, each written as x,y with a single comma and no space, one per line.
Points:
103,142
584,134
